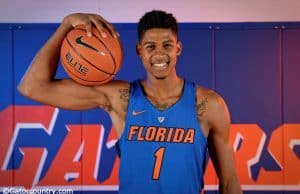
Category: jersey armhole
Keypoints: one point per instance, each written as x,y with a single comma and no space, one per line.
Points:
195,117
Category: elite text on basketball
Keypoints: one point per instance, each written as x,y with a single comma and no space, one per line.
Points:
76,65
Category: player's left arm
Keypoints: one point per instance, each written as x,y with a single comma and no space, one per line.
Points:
220,151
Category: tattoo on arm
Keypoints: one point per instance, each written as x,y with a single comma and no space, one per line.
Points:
124,96
202,107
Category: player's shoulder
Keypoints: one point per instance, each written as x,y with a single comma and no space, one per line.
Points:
113,86
118,83
115,91
203,92
213,99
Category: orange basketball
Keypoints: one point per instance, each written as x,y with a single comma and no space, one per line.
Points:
91,60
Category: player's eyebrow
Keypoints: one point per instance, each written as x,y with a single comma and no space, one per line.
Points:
148,42
152,42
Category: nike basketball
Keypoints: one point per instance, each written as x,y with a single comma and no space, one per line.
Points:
91,60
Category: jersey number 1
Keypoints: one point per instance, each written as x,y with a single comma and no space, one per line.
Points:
159,155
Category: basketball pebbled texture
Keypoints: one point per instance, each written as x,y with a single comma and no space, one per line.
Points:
91,60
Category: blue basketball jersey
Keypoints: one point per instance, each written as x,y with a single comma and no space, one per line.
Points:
162,152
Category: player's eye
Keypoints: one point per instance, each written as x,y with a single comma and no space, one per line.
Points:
167,46
150,47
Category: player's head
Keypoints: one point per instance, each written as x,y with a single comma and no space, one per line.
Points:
158,45
157,19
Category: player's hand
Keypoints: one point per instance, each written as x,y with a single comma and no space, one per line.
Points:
89,20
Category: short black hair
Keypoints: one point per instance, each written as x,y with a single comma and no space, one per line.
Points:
157,19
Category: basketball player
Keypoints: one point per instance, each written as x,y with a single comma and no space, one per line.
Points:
164,123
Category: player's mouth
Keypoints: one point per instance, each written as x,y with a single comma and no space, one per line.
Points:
160,65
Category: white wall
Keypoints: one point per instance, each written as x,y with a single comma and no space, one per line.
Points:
52,11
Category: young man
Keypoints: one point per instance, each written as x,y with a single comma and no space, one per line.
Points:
164,123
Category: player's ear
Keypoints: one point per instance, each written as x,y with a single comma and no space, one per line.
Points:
179,47
138,49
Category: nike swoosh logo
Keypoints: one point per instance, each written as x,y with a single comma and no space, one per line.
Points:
80,42
134,113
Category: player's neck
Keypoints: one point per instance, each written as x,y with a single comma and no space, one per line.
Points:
163,87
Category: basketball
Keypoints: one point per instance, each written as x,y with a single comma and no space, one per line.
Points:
91,60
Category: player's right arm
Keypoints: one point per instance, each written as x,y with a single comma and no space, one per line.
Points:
40,85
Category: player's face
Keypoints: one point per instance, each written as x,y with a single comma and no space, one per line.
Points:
159,50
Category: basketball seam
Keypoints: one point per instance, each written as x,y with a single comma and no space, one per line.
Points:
68,41
112,56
